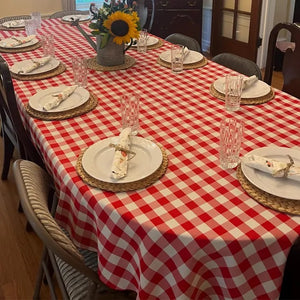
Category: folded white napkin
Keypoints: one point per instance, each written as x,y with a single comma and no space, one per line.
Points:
120,161
273,167
249,81
17,41
186,52
59,97
35,63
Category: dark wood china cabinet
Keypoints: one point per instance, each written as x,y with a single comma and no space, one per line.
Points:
182,16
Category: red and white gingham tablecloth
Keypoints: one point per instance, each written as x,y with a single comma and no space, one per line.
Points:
193,234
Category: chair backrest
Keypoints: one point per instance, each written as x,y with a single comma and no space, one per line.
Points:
34,187
238,64
146,19
181,39
291,60
12,117
60,14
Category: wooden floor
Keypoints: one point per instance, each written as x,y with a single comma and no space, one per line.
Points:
20,250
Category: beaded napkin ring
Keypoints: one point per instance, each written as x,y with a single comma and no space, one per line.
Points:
286,169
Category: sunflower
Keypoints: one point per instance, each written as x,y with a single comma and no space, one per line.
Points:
122,26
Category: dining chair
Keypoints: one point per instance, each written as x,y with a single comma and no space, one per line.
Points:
182,39
238,64
75,269
60,14
13,131
146,14
12,18
290,288
291,60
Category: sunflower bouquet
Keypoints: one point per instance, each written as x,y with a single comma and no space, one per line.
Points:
117,19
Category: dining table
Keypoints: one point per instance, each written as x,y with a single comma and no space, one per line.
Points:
196,231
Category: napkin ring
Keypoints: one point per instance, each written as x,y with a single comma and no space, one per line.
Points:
120,148
286,169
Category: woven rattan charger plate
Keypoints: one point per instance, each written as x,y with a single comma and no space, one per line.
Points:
60,69
266,199
93,65
67,114
20,50
151,47
244,101
122,187
196,65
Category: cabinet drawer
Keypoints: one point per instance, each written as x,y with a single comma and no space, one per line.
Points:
176,4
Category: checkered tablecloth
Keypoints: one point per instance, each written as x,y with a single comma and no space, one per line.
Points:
193,234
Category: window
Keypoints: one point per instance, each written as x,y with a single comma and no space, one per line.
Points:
85,4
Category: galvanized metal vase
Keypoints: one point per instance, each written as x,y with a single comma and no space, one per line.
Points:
111,55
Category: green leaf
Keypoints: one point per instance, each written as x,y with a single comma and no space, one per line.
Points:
104,39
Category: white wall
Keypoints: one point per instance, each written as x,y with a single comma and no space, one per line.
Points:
20,7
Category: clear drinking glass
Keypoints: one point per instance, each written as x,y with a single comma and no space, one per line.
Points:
79,66
47,41
231,135
30,27
177,58
142,41
130,104
233,91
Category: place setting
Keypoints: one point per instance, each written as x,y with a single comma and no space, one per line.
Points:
72,18
18,44
180,58
63,102
13,25
270,175
125,162
37,68
146,42
253,90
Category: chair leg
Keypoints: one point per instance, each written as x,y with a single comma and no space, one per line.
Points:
8,154
40,276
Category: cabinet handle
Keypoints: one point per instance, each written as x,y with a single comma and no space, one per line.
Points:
192,3
164,3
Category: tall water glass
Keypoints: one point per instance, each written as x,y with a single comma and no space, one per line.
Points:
231,135
233,92
47,41
142,41
130,104
36,17
177,58
79,65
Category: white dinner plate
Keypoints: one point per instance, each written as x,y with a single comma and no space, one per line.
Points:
51,65
14,23
71,18
151,40
191,58
281,187
77,98
5,42
258,89
97,160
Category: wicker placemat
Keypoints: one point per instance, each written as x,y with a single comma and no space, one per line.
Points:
92,64
67,114
20,50
60,69
196,65
244,101
151,47
266,199
122,187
